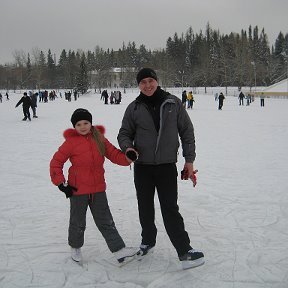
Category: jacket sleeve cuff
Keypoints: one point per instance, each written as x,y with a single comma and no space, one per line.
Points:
189,159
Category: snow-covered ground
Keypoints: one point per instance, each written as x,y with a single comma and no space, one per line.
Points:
281,86
237,215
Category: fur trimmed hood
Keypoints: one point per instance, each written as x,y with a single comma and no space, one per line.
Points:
71,132
86,172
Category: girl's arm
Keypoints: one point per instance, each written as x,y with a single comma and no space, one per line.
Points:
115,155
57,162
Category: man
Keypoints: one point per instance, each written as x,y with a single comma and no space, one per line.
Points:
149,136
26,104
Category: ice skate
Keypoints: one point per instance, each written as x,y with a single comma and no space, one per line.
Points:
192,259
125,255
145,249
76,254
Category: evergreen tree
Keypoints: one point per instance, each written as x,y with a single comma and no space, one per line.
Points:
29,80
83,83
72,70
51,71
280,52
40,68
192,59
63,70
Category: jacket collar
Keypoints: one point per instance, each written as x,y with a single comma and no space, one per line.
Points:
71,132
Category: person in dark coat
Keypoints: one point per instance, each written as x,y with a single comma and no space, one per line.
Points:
262,100
34,104
149,135
221,98
26,104
184,98
241,98
106,96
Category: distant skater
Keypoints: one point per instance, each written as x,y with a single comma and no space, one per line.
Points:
262,100
34,97
26,104
241,98
221,98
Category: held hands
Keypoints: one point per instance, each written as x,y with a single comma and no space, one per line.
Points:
131,154
189,173
67,189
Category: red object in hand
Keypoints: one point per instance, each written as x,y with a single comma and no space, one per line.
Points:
194,179
184,174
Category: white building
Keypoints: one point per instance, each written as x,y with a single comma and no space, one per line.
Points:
113,78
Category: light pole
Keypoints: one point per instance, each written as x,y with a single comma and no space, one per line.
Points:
254,66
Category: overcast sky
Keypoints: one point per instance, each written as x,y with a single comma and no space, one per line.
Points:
83,24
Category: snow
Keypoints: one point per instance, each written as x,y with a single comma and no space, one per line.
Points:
237,214
281,86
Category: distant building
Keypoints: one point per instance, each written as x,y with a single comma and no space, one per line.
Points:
279,90
113,78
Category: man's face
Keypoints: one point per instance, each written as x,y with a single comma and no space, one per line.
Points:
148,86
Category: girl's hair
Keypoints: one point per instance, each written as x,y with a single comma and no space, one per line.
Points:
99,140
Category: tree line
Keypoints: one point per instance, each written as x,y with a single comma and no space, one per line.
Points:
204,59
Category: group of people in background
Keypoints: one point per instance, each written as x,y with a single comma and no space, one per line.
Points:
28,101
249,99
115,97
68,95
187,98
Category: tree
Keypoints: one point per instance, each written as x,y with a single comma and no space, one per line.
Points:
201,59
51,70
19,69
63,70
28,77
82,79
279,67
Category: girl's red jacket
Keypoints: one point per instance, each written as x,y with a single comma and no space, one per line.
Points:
87,170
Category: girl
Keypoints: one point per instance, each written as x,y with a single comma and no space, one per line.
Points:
85,147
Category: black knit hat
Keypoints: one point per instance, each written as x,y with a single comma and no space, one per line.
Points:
81,114
146,73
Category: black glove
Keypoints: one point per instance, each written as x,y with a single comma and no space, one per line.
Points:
132,155
67,189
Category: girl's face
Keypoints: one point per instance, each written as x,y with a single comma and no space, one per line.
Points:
148,86
83,127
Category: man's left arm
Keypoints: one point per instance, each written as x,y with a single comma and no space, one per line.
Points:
186,133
